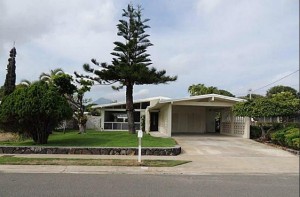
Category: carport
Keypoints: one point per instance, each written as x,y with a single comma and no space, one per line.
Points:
210,113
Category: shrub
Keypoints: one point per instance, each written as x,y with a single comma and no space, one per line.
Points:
278,137
291,125
255,132
290,135
296,143
34,111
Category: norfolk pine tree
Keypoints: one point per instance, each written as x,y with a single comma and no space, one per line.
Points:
130,64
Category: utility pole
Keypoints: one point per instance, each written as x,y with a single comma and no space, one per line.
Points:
250,93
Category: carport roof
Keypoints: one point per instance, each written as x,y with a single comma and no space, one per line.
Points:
197,101
205,96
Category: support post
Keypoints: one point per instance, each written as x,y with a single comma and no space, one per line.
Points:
140,135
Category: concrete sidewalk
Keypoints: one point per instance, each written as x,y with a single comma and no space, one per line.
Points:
199,165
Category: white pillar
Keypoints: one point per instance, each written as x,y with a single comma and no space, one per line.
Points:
232,119
169,129
147,121
247,128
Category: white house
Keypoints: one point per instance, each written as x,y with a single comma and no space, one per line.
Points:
192,115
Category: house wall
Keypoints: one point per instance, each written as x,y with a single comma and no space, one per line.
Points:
164,120
188,119
233,125
93,122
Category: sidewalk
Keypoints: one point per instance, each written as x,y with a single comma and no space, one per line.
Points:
199,165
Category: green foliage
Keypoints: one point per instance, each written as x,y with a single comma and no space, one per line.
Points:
35,111
64,85
226,93
200,89
48,77
74,94
279,89
253,96
278,137
255,132
93,111
281,104
10,80
296,143
78,102
130,65
288,137
1,92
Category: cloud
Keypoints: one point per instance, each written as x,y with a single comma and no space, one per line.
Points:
234,45
207,6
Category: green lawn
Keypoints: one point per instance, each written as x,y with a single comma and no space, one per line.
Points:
8,160
99,139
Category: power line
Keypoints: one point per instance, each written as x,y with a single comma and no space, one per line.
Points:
276,80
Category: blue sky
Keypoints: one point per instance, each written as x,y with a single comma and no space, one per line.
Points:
231,44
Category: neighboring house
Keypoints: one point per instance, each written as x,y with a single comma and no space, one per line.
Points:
192,115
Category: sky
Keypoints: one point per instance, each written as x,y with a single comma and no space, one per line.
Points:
234,45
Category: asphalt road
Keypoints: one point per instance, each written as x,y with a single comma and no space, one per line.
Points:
148,185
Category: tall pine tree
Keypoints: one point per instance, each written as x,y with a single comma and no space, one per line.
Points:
10,80
130,65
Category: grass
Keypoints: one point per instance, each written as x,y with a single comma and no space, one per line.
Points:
11,160
98,139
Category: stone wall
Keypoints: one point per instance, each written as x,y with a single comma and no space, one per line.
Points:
89,151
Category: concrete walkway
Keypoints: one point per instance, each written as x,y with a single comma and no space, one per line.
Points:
209,155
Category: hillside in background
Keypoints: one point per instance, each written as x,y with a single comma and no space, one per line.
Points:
101,101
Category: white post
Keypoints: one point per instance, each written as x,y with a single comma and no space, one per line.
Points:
250,93
140,135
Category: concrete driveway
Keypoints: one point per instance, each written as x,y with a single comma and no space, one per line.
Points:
225,154
224,146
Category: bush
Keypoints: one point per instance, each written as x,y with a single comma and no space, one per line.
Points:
296,143
255,132
291,125
288,137
34,111
278,137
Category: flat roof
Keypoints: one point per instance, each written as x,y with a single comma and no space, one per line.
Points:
191,98
134,101
163,100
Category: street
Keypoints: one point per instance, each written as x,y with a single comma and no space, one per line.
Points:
15,184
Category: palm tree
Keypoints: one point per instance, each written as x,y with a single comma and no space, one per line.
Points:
25,82
48,77
198,89
212,90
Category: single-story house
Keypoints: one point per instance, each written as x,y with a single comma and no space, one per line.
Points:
208,113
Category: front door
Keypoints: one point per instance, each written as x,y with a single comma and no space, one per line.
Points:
154,121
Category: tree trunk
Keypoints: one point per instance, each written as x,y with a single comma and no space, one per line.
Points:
81,128
42,137
265,135
263,132
129,108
